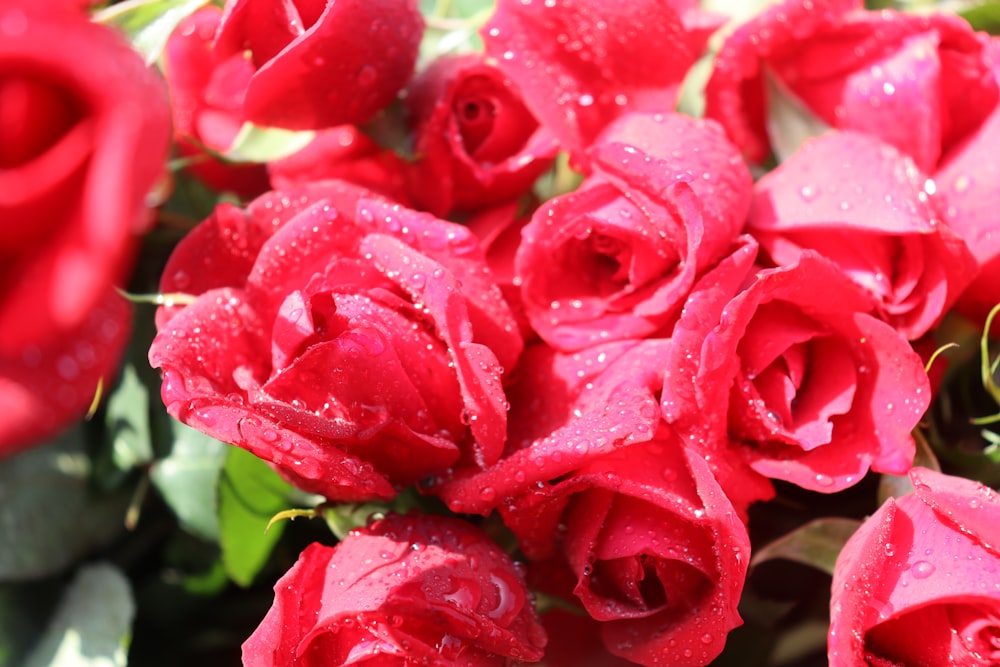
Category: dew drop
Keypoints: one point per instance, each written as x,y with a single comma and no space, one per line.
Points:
922,569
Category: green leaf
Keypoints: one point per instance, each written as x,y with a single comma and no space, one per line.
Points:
25,608
250,493
188,479
128,421
50,513
148,24
983,16
265,144
817,544
92,626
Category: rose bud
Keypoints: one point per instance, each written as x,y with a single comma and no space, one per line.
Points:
863,205
476,144
579,64
206,99
321,63
813,391
354,344
921,83
616,258
405,590
966,186
84,133
918,583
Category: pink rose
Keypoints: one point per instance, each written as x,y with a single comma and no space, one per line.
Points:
355,344
320,63
581,63
966,183
596,481
616,258
793,371
84,131
476,144
919,582
864,205
406,590
921,83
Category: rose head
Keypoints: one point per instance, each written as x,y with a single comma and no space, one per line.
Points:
966,185
354,344
918,82
405,590
476,143
320,63
864,205
84,133
581,63
343,153
918,583
616,258
600,484
206,100
810,390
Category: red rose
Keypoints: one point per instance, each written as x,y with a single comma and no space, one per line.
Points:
343,153
919,582
320,63
601,483
864,205
793,371
966,183
405,590
582,63
206,99
616,258
476,143
84,131
354,344
919,82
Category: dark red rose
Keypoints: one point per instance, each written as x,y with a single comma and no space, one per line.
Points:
582,63
918,82
919,582
343,153
353,343
206,99
966,186
616,258
656,551
476,143
794,372
321,63
407,590
84,132
864,205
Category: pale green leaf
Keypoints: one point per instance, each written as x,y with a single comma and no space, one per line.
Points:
789,122
188,479
266,144
50,512
817,544
92,625
128,421
148,24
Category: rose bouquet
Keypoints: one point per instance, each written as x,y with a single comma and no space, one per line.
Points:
559,332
